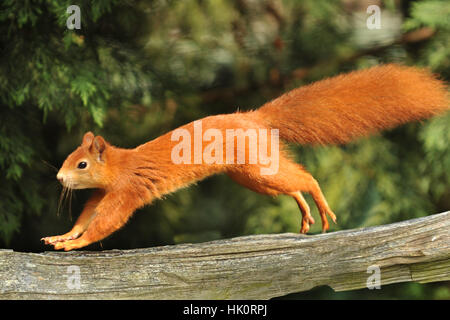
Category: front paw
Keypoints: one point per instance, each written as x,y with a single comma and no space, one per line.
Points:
65,237
71,244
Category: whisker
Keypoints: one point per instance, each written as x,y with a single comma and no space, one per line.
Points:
58,211
70,204
62,197
49,165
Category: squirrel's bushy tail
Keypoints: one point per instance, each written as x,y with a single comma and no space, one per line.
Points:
342,108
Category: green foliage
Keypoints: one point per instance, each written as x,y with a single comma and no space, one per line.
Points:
432,13
425,13
52,72
137,69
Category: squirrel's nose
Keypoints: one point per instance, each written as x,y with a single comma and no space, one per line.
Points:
60,177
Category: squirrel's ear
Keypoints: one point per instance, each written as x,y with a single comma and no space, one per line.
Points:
88,138
98,147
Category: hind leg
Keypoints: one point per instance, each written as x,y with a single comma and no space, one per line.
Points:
307,219
291,179
322,205
306,182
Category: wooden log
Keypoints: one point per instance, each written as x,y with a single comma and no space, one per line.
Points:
250,267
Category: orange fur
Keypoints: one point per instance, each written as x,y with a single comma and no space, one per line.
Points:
334,110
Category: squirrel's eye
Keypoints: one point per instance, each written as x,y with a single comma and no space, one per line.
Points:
82,165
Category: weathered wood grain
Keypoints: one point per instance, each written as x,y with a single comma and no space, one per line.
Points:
251,267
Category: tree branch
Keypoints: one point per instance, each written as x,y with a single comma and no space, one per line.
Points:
250,267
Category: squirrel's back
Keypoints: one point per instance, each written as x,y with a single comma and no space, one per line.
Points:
342,108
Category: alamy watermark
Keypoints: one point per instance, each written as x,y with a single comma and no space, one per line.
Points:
374,280
73,277
231,149
74,20
374,20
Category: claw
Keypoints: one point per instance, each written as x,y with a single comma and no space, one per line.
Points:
332,216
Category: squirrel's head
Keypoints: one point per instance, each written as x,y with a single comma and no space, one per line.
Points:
85,167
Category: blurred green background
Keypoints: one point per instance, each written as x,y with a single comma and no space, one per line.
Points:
137,69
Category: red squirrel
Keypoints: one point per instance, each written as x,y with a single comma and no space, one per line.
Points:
331,111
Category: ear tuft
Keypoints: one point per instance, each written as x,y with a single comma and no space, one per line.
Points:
88,138
99,145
